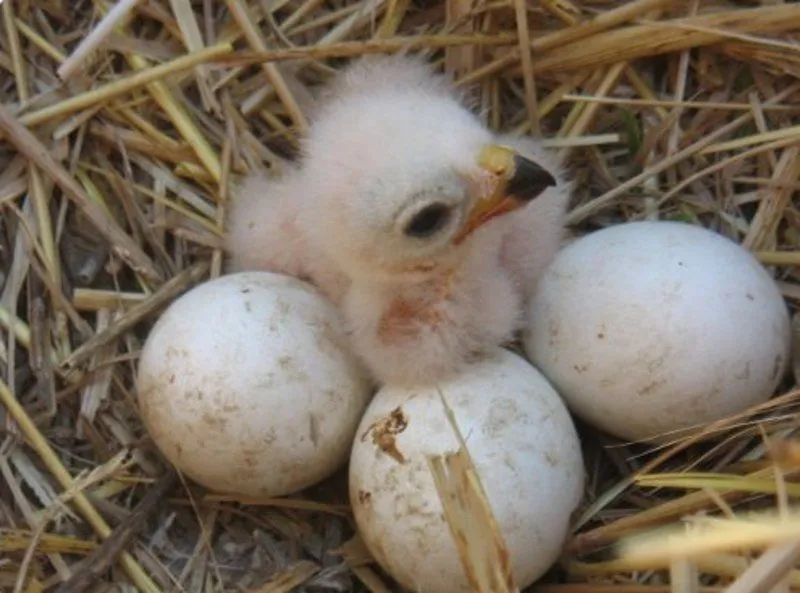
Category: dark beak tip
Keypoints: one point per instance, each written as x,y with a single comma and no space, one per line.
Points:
530,180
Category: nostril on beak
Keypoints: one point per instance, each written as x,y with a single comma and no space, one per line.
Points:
529,180
516,181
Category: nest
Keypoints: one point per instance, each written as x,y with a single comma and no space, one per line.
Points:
123,128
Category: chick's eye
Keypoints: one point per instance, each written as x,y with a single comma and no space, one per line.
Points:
428,221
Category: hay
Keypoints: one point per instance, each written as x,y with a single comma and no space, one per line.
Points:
122,129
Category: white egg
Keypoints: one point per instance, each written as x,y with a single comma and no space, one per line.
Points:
647,328
524,446
247,385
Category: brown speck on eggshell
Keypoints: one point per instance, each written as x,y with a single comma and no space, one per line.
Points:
385,430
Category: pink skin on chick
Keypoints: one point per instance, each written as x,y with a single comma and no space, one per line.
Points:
387,215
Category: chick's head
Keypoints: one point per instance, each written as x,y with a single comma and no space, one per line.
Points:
402,174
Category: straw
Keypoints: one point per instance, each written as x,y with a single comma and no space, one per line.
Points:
125,129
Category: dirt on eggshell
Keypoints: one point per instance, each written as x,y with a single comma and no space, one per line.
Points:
248,387
525,450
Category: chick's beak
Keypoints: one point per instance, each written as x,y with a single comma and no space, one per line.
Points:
510,182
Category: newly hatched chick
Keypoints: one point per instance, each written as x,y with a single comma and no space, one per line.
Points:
427,230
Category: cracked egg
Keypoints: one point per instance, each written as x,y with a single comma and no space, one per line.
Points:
526,452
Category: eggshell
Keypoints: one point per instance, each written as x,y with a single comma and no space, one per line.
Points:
247,385
523,443
648,329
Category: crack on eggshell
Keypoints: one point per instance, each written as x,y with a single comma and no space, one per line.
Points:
384,432
776,367
313,429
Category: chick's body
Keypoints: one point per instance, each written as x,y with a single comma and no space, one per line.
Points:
375,214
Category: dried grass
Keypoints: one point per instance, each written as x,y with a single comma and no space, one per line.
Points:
122,128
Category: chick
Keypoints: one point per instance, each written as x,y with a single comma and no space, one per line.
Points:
428,231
